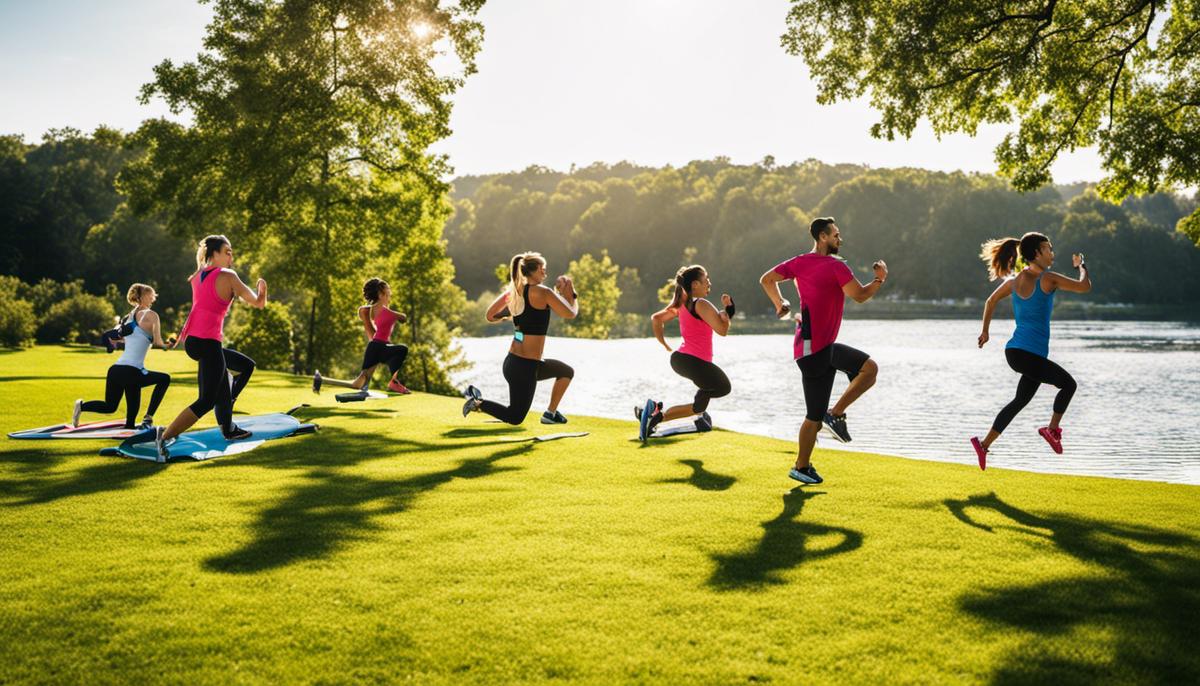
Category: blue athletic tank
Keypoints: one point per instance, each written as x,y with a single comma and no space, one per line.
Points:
136,345
1033,320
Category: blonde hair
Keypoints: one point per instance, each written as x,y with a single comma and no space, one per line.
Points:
135,293
520,268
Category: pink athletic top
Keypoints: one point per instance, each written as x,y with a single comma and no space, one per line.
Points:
697,335
207,318
819,280
384,322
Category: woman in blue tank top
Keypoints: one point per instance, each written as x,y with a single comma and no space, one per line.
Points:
1027,352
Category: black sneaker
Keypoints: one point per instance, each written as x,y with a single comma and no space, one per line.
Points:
808,475
317,382
147,422
473,392
554,417
472,405
236,433
836,424
704,422
655,418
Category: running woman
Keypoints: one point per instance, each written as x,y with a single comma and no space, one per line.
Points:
693,361
1027,352
822,282
378,320
529,303
214,286
128,375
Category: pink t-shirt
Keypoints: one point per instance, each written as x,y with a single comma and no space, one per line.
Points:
384,321
207,318
697,335
819,280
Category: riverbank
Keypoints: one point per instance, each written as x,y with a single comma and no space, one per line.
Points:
404,542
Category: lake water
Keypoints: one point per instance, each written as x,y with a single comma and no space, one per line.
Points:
1136,414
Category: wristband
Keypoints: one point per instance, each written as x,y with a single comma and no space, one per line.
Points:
730,309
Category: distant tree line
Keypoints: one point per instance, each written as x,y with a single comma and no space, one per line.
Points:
739,220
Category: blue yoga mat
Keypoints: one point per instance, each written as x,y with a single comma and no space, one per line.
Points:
206,444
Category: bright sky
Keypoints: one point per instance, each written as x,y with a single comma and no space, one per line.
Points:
560,82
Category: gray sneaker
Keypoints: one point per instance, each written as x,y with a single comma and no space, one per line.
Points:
472,405
808,475
554,417
78,409
160,445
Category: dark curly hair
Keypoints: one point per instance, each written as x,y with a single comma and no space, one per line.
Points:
373,288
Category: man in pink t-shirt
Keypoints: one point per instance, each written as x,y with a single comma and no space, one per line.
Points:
822,282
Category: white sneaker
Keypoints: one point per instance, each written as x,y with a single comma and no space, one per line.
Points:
160,445
76,412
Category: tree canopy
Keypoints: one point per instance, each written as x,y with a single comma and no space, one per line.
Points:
1123,75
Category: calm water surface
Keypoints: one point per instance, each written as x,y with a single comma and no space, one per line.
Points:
1136,414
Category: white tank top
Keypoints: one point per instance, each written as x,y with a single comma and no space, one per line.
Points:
136,346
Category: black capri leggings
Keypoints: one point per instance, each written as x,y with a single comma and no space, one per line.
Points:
710,381
215,364
1035,370
392,355
129,381
522,375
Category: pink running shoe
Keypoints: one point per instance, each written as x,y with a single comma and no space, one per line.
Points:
980,452
1053,437
397,387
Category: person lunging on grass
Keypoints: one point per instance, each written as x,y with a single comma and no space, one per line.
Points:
529,303
822,283
698,319
378,320
1028,351
214,286
128,375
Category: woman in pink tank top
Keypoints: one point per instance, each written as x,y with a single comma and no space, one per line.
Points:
698,319
378,320
214,286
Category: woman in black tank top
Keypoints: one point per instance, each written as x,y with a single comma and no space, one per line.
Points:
524,366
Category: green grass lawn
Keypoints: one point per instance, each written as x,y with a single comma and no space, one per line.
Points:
402,542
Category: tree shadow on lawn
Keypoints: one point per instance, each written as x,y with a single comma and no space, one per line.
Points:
37,484
473,431
784,545
333,509
1143,593
702,478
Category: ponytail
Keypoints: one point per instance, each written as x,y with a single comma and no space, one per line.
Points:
207,248
519,269
373,289
1000,254
684,278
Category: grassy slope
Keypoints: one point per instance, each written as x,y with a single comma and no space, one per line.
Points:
405,542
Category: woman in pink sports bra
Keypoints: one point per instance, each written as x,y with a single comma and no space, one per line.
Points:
378,321
214,286
698,319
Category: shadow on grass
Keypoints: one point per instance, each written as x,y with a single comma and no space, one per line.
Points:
332,509
1142,593
702,478
784,545
473,431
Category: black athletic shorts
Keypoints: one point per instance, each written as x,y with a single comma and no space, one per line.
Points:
818,371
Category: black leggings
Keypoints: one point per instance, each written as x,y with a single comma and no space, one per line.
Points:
708,377
1035,370
215,363
392,355
522,375
129,381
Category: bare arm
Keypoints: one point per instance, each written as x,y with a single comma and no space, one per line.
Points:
860,293
239,289
1081,285
400,316
770,285
497,311
364,313
719,321
1002,291
659,321
557,303
151,321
